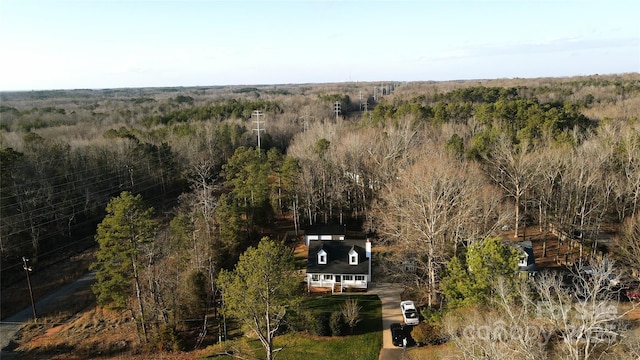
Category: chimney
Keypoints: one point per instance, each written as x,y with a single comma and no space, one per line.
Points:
368,255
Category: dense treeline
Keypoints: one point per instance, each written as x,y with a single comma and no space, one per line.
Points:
429,168
490,112
227,109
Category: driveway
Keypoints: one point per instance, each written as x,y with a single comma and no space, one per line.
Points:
389,295
10,326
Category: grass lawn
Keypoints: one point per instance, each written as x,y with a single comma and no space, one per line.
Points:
364,344
434,352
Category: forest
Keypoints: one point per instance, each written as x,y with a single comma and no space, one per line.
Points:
424,168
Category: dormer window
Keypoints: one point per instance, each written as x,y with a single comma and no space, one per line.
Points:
353,257
322,257
523,260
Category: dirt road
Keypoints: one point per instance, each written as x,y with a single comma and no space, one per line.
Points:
10,326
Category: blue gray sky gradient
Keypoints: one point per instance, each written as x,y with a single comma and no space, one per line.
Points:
59,44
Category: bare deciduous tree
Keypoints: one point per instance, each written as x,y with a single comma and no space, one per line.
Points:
582,309
515,170
574,317
629,243
351,311
433,205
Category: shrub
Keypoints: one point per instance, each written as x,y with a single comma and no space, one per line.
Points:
426,333
168,339
320,325
336,323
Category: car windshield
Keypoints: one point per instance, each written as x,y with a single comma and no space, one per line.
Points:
410,313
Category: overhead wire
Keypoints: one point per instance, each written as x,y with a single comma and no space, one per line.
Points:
140,186
55,220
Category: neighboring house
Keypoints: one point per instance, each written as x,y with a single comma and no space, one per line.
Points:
335,263
527,258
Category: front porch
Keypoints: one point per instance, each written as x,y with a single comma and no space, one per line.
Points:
336,283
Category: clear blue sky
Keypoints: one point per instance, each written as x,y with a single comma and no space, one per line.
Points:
104,44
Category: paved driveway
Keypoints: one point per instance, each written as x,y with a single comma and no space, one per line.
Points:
389,295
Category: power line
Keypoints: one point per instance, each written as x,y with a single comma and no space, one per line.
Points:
148,184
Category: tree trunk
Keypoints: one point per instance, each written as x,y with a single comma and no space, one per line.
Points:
269,339
139,298
517,201
295,214
432,272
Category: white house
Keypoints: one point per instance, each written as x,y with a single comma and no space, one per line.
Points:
336,263
527,258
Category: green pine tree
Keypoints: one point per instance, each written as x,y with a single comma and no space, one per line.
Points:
472,281
128,224
260,289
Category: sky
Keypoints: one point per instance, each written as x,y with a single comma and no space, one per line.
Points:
100,44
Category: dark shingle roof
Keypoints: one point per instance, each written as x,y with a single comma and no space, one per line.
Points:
338,257
333,229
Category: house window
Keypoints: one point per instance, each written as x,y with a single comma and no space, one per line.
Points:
315,277
328,277
410,265
347,277
353,257
359,277
523,261
322,257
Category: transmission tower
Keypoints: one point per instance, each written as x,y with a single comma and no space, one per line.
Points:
336,109
257,114
305,120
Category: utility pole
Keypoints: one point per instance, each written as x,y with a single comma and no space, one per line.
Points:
360,100
336,109
257,114
27,270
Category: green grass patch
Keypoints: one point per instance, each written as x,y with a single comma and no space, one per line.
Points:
364,344
351,347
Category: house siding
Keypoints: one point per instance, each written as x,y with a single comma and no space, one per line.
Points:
331,283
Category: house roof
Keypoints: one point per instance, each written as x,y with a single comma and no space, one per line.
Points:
338,257
333,229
